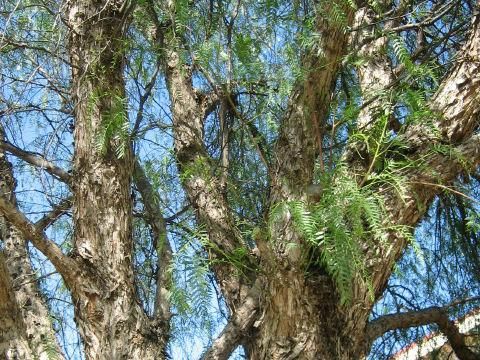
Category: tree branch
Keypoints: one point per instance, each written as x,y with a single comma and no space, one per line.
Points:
299,142
376,73
162,246
199,179
48,219
440,152
300,135
238,326
437,315
36,160
66,266
258,139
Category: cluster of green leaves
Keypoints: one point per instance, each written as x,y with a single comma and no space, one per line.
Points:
350,215
340,227
192,292
114,127
50,346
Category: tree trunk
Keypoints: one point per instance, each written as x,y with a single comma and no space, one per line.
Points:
13,336
22,295
110,320
301,319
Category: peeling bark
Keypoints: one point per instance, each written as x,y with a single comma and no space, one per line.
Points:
300,315
238,327
457,105
301,318
300,134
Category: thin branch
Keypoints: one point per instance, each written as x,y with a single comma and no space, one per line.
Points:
437,315
427,22
257,137
49,218
36,279
36,160
144,97
169,220
161,244
23,45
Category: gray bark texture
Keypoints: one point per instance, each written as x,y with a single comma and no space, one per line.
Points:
13,335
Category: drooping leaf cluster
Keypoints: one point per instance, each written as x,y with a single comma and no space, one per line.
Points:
339,228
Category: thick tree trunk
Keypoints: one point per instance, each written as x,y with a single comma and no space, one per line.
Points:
300,319
110,320
300,315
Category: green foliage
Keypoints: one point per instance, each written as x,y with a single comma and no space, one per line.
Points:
191,293
114,126
199,168
50,347
181,9
473,221
263,62
347,220
192,290
458,229
401,51
418,73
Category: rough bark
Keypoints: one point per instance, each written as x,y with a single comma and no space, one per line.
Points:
238,327
110,320
23,302
202,185
298,316
375,74
436,346
457,105
300,135
301,319
422,317
13,335
99,271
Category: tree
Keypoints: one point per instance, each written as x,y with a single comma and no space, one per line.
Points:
305,170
